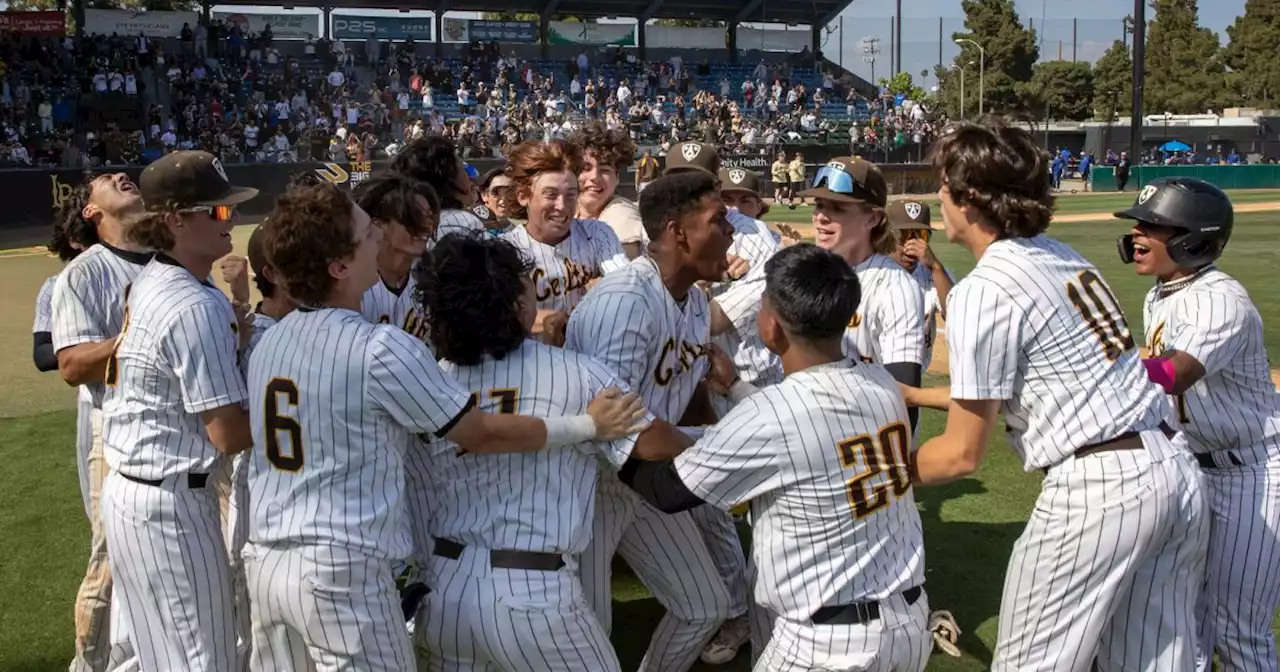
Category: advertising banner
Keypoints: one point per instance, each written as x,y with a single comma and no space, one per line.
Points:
34,23
283,26
569,32
466,30
383,27
123,22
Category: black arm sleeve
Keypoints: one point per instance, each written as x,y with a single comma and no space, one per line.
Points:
907,374
42,351
659,484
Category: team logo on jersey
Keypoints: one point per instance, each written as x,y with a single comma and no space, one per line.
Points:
482,212
855,321
1155,344
686,355
222,172
690,151
737,175
1146,193
913,210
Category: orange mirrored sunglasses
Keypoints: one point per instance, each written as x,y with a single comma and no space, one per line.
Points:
912,234
221,213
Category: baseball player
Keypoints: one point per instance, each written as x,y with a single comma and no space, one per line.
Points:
171,414
568,254
1206,349
494,225
605,156
651,324
850,197
505,574
496,192
778,176
795,172
434,160
407,220
822,458
335,401
1109,565
88,311
909,222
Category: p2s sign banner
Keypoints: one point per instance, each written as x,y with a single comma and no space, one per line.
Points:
418,29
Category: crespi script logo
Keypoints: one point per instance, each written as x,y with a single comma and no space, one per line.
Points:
1146,194
913,210
690,150
737,175
354,26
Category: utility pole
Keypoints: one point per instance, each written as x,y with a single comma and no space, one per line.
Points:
870,50
1139,77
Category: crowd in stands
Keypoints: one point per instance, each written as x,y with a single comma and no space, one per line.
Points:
119,99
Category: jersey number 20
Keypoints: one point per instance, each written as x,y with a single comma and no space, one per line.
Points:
887,451
1101,311
278,424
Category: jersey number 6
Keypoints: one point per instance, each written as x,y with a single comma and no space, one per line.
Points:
1089,294
277,424
888,451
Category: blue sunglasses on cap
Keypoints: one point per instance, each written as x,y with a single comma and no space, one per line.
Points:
836,180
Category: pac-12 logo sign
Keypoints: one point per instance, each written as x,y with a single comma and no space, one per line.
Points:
1146,194
690,151
913,210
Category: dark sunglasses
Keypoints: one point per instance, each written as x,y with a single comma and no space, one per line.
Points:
220,213
912,234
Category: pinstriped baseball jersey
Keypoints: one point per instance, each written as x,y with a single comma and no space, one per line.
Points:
1235,404
383,305
822,457
561,272
1035,325
44,306
89,299
458,221
333,402
741,304
658,346
541,501
932,308
176,358
752,239
889,325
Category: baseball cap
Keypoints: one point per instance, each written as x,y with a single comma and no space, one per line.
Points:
741,179
693,155
908,214
851,180
190,178
257,252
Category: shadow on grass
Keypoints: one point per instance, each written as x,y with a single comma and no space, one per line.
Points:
965,563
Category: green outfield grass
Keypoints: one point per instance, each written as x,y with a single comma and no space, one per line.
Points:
969,526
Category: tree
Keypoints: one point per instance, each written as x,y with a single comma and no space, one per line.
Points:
903,84
1113,83
524,16
1061,90
1011,52
1254,79
1185,74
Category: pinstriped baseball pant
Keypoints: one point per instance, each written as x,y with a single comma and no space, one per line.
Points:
1109,565
1242,580
482,619
324,608
172,575
237,525
898,641
668,554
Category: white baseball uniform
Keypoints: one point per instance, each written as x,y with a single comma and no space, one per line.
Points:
458,221
176,359
561,272
889,327
483,617
1231,417
1110,561
88,307
932,309
822,457
658,345
84,401
334,403
383,305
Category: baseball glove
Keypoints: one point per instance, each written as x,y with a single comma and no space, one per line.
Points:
945,632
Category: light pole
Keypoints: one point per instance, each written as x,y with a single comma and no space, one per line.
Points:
982,74
961,69
870,50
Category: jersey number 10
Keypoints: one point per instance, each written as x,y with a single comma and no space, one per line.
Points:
1102,313
888,451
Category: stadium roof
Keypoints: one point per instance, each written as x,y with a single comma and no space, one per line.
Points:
812,12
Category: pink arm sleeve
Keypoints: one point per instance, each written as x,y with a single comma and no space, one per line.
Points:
1161,372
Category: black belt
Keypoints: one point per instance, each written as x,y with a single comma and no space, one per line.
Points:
194,481
504,559
1206,460
1122,442
858,613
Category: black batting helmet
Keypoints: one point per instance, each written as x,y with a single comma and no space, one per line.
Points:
1200,213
